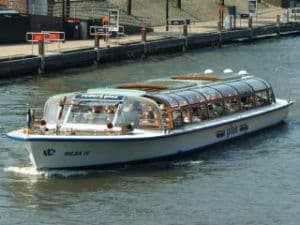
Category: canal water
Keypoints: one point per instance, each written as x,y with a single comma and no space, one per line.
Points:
250,180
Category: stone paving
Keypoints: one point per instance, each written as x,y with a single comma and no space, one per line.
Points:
268,16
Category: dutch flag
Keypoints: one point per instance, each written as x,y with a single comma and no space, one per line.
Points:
28,118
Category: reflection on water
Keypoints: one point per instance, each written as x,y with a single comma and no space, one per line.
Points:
50,189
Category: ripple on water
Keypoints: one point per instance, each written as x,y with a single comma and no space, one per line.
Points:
32,171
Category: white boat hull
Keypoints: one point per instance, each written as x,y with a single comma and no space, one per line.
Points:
90,151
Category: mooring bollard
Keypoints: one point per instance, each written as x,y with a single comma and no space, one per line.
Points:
250,28
41,45
278,25
278,20
41,48
97,41
144,34
250,24
185,29
219,26
220,34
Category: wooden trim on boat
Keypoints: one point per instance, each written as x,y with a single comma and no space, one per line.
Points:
196,76
142,86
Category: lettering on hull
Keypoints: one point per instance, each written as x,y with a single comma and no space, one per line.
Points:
77,153
231,130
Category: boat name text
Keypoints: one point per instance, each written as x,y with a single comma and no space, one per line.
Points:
77,153
231,130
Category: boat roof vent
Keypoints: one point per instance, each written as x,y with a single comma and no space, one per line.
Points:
227,70
208,71
243,72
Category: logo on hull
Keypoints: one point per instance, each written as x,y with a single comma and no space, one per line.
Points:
49,152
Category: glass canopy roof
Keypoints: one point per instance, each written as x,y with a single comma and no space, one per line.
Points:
214,92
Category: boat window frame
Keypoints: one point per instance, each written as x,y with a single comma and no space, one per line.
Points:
215,107
201,114
61,104
229,106
258,100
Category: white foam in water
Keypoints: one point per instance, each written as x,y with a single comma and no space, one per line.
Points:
32,171
187,163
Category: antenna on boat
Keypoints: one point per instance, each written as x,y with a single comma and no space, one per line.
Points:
227,71
243,72
208,71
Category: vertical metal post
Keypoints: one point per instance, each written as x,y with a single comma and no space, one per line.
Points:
41,48
178,4
167,15
68,8
277,20
278,25
221,15
144,34
250,25
97,41
129,5
42,55
63,11
185,29
250,21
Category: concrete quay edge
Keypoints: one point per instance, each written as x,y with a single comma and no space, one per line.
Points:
31,65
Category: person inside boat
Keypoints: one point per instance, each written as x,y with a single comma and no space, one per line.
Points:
110,112
95,114
215,110
186,116
110,109
246,102
130,113
148,116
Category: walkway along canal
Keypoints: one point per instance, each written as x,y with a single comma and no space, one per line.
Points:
32,64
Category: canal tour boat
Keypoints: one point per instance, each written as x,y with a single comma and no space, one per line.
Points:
133,122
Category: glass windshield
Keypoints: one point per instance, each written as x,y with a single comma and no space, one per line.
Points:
55,108
92,113
138,113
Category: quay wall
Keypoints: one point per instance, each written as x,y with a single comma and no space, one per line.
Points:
19,66
84,57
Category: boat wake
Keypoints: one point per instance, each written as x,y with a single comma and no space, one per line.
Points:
187,163
32,171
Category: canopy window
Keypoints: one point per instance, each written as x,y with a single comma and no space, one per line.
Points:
166,99
265,82
231,98
257,85
261,89
199,112
192,97
242,88
209,93
180,100
184,107
271,96
226,90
